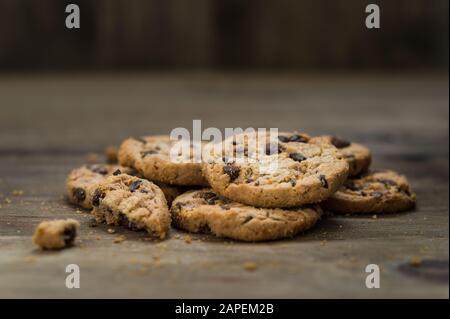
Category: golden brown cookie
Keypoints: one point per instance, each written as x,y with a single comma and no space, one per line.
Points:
358,156
375,192
203,211
82,181
132,202
56,234
274,170
151,157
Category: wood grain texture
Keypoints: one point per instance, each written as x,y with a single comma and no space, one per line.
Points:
49,123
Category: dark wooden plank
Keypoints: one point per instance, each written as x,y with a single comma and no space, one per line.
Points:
48,125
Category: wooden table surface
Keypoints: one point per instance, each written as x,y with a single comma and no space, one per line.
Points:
49,123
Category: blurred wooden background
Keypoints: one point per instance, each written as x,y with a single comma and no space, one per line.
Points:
222,34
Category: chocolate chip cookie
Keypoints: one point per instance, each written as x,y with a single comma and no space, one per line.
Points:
152,157
358,156
132,202
56,234
274,170
204,211
81,182
375,192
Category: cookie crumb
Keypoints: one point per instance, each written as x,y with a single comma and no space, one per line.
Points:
111,154
56,234
187,239
415,262
92,223
119,239
17,192
111,231
28,259
250,266
161,246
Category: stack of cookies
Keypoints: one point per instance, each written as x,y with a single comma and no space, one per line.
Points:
274,190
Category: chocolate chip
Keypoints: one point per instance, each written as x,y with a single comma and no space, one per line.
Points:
297,157
339,143
234,143
247,219
387,182
211,201
293,182
135,185
204,229
149,152
273,148
79,194
179,205
283,139
133,172
323,181
69,235
117,172
124,221
232,171
92,222
353,187
99,169
209,197
376,194
297,138
98,194
226,200
406,191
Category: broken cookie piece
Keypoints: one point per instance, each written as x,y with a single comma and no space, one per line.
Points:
131,202
56,234
81,182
